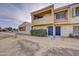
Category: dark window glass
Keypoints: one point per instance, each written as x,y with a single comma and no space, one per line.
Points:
61,15
37,17
77,11
76,29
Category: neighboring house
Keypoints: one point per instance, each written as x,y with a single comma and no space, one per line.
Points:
62,21
25,28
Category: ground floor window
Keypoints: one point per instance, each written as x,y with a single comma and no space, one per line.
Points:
76,29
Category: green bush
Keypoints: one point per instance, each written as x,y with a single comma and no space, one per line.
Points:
39,32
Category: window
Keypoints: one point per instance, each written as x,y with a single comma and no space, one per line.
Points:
22,28
61,14
76,29
77,11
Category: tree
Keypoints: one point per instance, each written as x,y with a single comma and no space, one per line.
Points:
10,28
0,29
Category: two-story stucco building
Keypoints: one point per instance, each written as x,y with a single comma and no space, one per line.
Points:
61,21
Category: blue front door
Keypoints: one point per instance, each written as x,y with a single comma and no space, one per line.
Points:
50,31
58,31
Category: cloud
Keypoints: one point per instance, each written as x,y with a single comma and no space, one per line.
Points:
10,11
15,13
19,11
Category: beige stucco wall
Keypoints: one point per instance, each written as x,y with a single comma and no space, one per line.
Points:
66,30
40,27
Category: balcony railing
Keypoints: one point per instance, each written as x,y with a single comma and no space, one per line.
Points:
61,20
44,20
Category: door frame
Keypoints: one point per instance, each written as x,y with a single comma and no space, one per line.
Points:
58,31
50,31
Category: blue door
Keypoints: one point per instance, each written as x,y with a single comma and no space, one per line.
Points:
50,31
58,31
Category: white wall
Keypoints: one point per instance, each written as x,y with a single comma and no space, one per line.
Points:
28,29
66,30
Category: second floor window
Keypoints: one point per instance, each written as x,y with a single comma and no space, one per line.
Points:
77,11
60,15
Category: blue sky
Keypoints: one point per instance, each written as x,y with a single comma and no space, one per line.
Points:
12,15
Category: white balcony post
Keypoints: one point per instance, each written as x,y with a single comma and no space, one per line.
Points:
54,32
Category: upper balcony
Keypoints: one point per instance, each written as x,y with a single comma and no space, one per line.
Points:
43,16
44,20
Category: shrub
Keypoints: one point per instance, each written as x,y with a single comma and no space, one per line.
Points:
39,32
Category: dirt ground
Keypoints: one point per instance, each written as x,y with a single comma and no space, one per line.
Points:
24,45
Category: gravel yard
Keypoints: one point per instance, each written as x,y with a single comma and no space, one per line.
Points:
6,35
24,45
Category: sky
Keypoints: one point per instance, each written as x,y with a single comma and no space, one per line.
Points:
13,14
